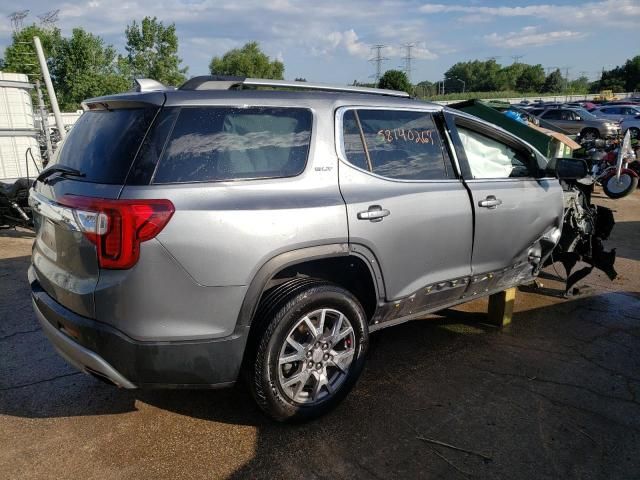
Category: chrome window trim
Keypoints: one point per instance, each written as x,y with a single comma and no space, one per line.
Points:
339,140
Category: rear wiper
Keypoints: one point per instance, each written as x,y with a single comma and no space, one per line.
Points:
62,169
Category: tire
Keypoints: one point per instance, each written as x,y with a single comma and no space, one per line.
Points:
325,363
612,189
589,134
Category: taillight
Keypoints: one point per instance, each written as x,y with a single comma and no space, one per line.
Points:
117,227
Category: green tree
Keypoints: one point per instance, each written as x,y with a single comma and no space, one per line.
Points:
248,61
554,83
20,56
85,67
395,80
531,79
579,85
426,89
152,52
479,76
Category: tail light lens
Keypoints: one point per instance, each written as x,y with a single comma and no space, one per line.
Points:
117,227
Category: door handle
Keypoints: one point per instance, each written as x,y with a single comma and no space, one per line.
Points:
490,202
375,213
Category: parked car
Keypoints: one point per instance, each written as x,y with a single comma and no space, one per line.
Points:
616,112
633,125
187,235
578,121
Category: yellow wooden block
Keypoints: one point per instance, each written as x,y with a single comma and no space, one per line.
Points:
501,307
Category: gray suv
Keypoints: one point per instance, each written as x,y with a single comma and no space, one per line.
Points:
578,121
190,237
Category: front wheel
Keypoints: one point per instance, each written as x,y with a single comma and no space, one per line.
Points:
614,188
310,353
589,134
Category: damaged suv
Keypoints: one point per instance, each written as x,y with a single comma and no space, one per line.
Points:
189,237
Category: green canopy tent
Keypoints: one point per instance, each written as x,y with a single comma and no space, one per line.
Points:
546,144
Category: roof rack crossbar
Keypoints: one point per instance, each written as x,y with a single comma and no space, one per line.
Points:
215,82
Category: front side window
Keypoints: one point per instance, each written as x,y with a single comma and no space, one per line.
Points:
552,115
395,144
491,158
210,144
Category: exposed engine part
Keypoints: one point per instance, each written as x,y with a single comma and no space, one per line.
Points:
585,228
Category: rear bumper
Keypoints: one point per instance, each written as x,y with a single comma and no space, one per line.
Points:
102,350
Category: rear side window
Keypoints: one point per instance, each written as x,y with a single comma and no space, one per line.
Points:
103,143
210,144
396,144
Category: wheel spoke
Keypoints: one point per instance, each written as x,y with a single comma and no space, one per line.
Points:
294,357
343,334
342,360
299,348
321,381
310,326
323,315
301,377
337,326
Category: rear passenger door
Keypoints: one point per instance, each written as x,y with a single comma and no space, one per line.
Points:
404,200
518,209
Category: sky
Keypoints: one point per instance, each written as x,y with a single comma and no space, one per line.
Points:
331,40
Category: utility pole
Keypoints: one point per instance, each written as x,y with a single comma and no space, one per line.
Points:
52,93
407,60
378,59
516,58
45,120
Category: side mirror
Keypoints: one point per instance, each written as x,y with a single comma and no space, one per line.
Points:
569,168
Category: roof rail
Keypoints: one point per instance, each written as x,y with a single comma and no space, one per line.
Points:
221,82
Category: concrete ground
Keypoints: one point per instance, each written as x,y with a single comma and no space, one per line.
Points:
555,395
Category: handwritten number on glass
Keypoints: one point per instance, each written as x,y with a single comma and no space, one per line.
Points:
407,135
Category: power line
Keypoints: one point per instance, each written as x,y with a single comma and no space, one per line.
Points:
378,59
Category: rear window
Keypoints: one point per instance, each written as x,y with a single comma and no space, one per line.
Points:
229,143
103,143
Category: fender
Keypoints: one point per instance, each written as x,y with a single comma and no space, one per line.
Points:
612,172
287,259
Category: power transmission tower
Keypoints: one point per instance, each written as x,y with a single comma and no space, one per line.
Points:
49,19
516,58
17,18
566,76
407,60
378,59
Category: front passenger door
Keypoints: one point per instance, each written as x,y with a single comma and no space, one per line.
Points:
515,205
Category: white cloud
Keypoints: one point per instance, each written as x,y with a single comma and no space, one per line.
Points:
622,13
530,37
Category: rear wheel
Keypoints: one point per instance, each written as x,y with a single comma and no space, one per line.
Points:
589,134
614,188
310,352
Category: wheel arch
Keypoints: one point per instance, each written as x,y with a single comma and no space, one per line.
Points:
327,262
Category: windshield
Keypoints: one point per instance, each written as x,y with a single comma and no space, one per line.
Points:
103,143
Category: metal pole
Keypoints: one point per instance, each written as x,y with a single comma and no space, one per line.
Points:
45,121
50,90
